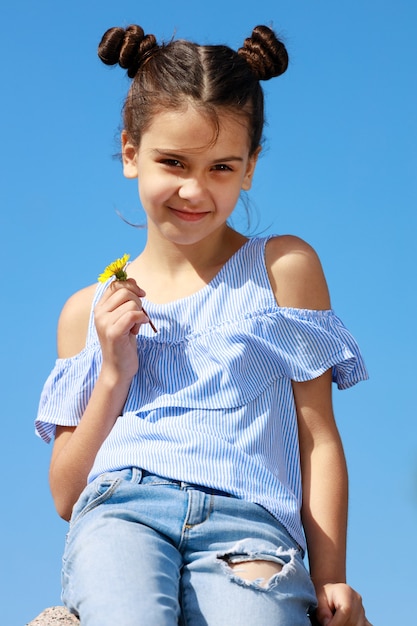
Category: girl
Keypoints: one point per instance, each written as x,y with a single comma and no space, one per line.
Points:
198,463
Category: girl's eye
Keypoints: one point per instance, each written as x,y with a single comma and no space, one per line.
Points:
171,163
222,167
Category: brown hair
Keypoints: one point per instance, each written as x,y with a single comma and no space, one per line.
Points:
210,77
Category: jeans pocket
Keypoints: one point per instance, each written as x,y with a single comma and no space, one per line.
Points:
95,493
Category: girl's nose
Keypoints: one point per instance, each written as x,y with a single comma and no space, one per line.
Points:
192,189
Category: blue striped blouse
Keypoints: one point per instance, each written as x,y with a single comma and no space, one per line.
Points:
212,401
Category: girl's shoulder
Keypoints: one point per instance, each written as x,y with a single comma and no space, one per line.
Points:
296,274
73,322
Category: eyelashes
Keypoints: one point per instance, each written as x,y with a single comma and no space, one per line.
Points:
222,167
171,163
175,164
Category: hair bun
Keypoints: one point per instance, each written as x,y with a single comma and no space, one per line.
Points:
265,53
129,47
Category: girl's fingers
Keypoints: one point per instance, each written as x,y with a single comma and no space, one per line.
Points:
340,605
119,293
125,286
121,320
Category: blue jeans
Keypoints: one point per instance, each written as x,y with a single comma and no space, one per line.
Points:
145,550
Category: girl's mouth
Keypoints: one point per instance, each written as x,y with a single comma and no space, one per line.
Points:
189,216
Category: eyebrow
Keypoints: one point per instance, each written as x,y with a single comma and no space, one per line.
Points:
181,155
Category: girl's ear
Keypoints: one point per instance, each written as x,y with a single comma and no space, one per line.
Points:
129,157
250,169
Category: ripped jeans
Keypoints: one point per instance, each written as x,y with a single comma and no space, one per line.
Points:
147,551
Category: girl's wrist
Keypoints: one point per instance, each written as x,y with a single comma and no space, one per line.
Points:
328,571
331,578
112,378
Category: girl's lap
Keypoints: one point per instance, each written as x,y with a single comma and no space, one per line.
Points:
168,553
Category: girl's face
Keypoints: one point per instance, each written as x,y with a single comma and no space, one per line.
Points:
189,178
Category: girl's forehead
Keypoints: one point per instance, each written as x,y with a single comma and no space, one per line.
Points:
190,128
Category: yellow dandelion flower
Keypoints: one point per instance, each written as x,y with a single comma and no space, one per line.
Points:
117,269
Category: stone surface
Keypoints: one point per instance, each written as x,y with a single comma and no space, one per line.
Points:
55,615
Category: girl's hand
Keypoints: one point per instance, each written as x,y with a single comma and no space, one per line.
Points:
339,605
118,317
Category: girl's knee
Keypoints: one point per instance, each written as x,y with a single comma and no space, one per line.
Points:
251,563
261,571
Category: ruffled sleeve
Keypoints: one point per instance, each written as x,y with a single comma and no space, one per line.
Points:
315,341
67,391
225,366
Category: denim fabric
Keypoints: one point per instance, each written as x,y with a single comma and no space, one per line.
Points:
147,551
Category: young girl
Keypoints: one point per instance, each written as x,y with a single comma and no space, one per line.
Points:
199,462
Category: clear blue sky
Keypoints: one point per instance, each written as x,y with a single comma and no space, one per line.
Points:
338,169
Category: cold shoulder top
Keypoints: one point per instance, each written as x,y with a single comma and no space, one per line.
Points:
212,401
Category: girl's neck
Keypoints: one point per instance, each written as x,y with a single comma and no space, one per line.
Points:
168,271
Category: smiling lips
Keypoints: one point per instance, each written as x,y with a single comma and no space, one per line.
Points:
189,216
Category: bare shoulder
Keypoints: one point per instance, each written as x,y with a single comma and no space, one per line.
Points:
296,273
73,322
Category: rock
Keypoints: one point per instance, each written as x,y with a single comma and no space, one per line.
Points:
55,615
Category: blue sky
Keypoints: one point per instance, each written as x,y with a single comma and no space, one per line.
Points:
338,169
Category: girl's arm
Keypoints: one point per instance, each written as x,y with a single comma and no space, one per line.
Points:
324,509
297,278
118,317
